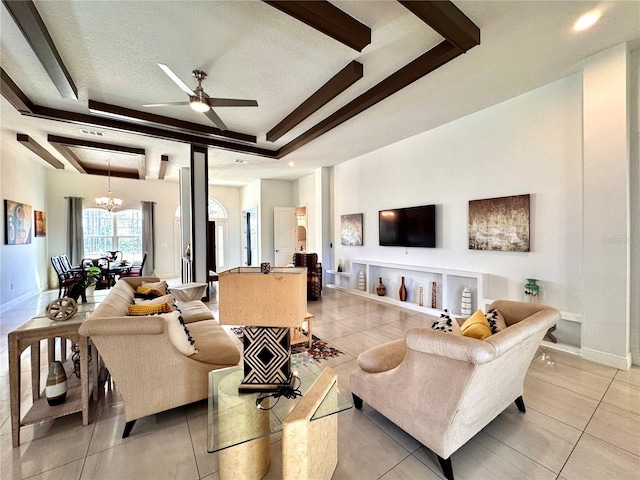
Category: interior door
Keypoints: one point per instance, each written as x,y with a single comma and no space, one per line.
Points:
285,230
211,247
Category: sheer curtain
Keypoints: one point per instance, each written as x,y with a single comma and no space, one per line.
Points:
75,237
148,237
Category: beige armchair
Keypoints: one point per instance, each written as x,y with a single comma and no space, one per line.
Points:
443,388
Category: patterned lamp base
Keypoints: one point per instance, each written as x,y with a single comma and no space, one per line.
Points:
267,354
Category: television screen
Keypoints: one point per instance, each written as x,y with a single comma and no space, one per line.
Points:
408,227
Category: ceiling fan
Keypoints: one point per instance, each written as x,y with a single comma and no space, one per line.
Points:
199,100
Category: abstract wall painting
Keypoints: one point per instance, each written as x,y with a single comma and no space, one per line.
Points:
500,224
351,229
17,221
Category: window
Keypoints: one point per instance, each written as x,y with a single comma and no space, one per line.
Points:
104,232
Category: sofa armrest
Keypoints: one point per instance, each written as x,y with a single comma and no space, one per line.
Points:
383,357
450,345
122,326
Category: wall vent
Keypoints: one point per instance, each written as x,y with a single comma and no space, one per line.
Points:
91,132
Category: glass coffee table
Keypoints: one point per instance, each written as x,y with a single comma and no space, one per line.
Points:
240,431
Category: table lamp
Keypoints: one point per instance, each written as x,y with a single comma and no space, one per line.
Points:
266,306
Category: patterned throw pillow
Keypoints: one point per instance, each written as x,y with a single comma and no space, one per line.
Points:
476,326
447,323
178,334
149,309
496,321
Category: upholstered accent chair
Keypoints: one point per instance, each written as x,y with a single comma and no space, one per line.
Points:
443,388
314,273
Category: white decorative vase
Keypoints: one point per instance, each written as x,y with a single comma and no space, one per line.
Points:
465,306
361,281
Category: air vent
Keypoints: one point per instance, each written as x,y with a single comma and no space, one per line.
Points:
241,161
91,132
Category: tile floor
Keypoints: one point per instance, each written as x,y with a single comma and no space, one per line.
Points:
582,420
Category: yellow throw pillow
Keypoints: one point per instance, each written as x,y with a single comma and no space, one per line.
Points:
149,309
150,291
476,326
161,286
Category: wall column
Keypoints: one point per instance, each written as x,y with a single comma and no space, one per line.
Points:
606,253
199,213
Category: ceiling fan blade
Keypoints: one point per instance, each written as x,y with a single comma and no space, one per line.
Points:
165,104
231,102
215,119
183,86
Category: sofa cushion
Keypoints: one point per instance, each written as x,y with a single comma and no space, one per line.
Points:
140,310
161,286
476,326
447,323
178,334
214,345
496,320
194,311
155,301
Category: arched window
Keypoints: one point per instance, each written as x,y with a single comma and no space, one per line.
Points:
104,232
216,210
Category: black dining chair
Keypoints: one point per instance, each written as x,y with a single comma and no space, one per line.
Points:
135,270
67,277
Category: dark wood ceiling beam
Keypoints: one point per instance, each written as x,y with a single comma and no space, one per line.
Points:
90,144
13,94
164,163
418,68
39,150
116,173
330,90
328,19
26,16
448,20
129,115
68,155
145,130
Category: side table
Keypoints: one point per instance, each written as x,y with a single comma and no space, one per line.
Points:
189,291
78,391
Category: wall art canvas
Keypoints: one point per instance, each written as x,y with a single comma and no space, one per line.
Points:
17,221
499,224
351,229
40,221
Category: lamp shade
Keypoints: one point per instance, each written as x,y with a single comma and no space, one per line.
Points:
249,297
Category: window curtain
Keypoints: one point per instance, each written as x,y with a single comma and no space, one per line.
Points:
148,237
75,237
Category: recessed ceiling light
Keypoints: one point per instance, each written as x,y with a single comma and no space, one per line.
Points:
587,20
291,164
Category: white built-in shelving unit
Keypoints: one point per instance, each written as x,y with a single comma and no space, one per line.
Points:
449,284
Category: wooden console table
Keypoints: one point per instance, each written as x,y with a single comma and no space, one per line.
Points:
78,391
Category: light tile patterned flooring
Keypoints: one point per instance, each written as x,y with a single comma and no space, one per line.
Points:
582,420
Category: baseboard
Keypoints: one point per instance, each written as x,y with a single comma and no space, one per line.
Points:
616,361
12,303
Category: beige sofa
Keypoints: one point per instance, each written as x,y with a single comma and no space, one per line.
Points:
150,373
443,388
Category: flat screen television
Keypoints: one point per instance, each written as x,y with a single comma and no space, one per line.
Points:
408,227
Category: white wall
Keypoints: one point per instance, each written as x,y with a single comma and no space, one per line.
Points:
273,193
305,191
230,199
23,268
530,144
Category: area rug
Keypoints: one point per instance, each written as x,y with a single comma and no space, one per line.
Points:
320,350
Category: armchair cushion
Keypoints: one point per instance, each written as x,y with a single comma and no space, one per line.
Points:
476,326
194,311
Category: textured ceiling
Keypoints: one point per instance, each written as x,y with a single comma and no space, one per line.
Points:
251,50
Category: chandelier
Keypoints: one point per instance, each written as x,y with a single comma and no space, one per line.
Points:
108,203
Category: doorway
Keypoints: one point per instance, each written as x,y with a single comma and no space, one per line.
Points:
250,237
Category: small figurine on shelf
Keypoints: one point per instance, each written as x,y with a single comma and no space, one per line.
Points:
531,290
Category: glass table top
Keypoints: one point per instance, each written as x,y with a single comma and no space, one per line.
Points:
234,418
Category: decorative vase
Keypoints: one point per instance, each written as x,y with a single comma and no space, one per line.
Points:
56,389
531,290
465,306
361,281
402,293
340,265
421,302
433,294
265,267
380,288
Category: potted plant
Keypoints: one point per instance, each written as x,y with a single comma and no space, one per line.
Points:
92,277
